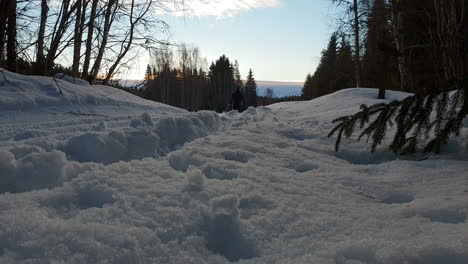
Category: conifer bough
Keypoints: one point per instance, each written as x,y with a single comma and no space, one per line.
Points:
432,118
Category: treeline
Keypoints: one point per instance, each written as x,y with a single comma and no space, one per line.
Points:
179,77
93,39
414,46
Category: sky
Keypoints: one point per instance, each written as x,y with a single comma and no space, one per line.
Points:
281,40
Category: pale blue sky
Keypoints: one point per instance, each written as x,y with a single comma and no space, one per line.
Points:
281,40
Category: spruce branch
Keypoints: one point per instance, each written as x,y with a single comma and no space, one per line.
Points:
414,115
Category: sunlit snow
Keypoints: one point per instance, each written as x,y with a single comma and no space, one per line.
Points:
96,175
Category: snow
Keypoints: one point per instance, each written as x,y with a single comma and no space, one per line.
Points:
97,175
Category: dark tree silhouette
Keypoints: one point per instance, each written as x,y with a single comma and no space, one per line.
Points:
250,90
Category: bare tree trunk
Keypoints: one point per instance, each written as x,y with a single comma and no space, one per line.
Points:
357,44
110,10
40,59
78,37
89,40
3,19
397,20
11,34
381,93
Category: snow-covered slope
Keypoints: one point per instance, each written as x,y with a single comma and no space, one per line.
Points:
22,93
123,180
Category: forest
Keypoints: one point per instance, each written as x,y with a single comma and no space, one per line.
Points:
420,47
412,46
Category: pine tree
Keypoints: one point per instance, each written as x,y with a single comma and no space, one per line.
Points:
324,79
307,89
250,94
222,81
328,82
149,73
344,69
238,83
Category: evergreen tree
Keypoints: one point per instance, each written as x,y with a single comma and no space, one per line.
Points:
345,67
328,80
238,83
324,79
307,88
377,65
250,93
222,83
149,73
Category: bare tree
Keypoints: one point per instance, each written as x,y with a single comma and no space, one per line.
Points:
354,10
357,45
11,34
397,22
3,20
135,17
40,59
60,28
111,10
78,35
89,40
117,32
269,93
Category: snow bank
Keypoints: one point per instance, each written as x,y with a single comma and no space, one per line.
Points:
23,93
144,139
35,171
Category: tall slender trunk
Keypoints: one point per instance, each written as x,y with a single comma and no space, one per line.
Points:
105,35
89,40
357,44
381,93
397,20
39,65
3,19
78,38
11,34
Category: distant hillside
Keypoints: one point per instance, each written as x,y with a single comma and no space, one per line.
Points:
281,89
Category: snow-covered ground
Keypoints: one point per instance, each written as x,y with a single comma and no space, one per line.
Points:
97,175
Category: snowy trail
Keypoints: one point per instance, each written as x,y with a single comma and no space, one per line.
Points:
152,184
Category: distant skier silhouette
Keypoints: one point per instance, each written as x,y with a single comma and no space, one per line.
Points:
237,99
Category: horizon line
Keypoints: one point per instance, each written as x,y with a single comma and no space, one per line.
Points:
274,81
